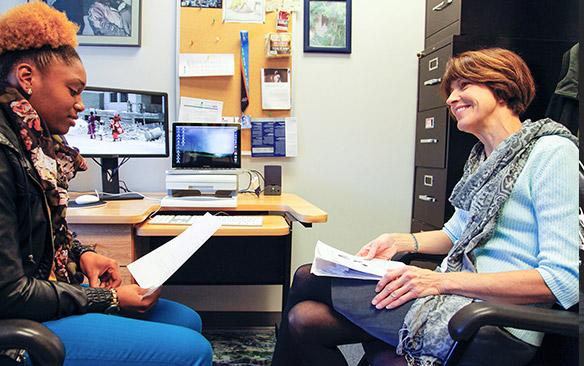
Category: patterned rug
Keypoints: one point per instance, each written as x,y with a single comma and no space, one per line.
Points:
242,347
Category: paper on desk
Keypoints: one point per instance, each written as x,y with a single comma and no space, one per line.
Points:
206,64
332,262
153,269
199,110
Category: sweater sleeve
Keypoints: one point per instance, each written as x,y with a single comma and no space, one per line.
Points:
554,189
455,226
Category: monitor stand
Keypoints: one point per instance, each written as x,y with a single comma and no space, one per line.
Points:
110,181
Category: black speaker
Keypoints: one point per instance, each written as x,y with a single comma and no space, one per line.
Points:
273,183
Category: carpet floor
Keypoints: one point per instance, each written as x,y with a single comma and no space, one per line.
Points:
242,347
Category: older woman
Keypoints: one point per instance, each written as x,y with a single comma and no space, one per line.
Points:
41,264
513,237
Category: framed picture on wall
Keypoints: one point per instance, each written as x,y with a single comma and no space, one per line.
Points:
103,22
327,26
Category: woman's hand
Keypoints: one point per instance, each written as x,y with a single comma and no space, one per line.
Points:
100,270
131,297
399,286
385,246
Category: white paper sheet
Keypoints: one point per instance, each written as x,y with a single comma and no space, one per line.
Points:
332,262
153,269
244,11
200,110
291,129
205,64
276,89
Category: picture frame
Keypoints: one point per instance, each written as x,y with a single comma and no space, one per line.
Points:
327,26
104,22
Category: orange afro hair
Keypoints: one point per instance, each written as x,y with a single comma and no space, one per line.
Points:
35,25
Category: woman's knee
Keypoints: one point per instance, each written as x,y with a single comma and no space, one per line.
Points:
202,352
170,312
304,318
302,275
192,349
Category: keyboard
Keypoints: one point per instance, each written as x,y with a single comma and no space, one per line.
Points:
237,220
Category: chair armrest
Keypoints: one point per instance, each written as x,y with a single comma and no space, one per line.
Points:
409,257
43,346
468,320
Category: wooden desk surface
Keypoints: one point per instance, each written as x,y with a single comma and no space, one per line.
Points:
136,211
273,226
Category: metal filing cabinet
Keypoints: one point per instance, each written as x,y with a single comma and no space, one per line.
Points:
453,26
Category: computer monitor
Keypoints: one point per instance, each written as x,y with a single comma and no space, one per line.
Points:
208,145
119,123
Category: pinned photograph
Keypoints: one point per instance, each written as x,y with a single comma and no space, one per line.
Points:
276,89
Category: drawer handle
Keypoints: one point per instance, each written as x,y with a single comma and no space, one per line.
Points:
428,141
432,81
442,5
427,198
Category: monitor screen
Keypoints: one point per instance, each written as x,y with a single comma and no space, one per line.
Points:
206,145
121,123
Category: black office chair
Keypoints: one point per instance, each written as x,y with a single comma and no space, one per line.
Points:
42,345
472,326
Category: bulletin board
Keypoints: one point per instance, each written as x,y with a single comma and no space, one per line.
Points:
202,31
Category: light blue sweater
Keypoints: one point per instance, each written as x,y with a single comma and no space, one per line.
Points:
538,226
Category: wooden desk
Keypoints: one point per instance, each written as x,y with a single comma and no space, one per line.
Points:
120,230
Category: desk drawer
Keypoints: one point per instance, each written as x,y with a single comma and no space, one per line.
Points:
431,127
246,260
430,196
431,68
441,13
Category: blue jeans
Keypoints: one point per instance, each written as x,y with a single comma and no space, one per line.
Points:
168,334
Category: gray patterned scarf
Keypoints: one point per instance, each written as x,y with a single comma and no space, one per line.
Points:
484,188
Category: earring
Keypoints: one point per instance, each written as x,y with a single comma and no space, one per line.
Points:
29,91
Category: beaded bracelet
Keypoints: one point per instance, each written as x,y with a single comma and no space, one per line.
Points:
416,244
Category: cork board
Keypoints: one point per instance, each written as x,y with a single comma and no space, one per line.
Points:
202,31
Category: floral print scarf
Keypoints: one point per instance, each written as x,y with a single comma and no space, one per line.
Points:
55,163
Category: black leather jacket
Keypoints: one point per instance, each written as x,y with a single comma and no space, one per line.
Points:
26,245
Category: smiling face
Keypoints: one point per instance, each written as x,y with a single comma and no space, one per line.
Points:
56,94
472,104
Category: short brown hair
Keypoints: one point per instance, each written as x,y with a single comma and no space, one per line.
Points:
501,70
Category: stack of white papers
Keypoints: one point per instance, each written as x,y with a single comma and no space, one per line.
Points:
332,262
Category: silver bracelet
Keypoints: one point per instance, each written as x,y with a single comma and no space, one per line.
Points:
416,244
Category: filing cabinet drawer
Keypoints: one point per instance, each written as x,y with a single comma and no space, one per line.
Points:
431,68
430,196
419,226
505,18
431,127
444,33
441,13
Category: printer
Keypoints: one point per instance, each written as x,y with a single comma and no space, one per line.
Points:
214,190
